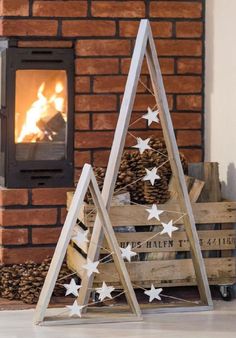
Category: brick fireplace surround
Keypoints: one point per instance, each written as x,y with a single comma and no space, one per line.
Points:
102,35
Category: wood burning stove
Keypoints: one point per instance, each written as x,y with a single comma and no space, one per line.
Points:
37,100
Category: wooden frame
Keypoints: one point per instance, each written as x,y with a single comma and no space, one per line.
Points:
145,46
87,180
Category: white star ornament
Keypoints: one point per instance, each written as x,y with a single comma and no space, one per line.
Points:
75,309
105,291
151,175
154,212
168,228
91,267
72,288
151,116
153,293
81,237
127,253
142,145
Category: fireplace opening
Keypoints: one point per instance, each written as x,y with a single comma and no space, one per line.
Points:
41,115
37,117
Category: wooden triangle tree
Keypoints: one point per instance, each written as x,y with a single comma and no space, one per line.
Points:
145,46
87,180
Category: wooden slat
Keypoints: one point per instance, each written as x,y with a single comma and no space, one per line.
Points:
209,173
204,213
209,240
83,246
75,260
166,272
194,187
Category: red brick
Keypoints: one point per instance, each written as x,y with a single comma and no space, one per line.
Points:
21,255
82,121
142,101
166,64
122,9
95,102
49,196
189,102
97,66
108,121
14,8
82,157
182,84
188,138
114,84
13,236
187,120
189,66
136,122
192,155
87,140
106,84
77,174
60,8
13,197
45,236
175,9
45,44
159,29
88,28
30,27
189,29
179,47
100,158
64,210
125,65
28,217
105,121
82,84
103,47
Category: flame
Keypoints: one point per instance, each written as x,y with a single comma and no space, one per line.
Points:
42,109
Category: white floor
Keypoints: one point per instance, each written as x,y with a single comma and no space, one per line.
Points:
220,323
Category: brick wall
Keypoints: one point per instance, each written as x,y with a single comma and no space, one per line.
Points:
102,34
30,222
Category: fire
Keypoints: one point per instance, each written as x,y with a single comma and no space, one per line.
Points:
40,113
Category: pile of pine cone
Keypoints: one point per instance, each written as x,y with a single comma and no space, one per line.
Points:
132,170
24,281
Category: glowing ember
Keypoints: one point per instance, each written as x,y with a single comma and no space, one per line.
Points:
41,112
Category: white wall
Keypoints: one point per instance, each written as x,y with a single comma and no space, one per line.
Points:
220,91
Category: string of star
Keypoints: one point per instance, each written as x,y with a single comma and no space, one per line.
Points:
81,238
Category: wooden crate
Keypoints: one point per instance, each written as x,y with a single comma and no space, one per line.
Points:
168,272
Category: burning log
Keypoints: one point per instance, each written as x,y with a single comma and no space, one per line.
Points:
53,129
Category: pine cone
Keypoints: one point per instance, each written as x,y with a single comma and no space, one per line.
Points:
9,281
157,193
132,170
25,281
